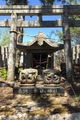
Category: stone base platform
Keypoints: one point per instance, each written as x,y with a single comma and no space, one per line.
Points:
39,90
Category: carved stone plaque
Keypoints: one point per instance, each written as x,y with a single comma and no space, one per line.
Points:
39,90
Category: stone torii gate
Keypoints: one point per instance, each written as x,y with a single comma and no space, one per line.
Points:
39,11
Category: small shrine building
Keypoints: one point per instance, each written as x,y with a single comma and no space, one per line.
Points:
39,52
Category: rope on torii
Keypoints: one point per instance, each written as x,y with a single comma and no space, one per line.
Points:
17,32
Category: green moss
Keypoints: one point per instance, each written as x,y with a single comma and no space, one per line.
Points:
77,99
3,73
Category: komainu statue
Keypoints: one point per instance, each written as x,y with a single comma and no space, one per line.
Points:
28,75
50,76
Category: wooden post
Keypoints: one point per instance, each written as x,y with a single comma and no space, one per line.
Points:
52,60
73,53
29,60
67,47
23,60
12,49
77,47
5,58
0,58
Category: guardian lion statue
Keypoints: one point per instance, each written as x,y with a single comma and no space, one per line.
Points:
28,75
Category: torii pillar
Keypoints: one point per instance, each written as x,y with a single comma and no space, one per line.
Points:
12,49
67,47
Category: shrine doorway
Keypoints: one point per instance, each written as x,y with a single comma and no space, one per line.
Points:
41,61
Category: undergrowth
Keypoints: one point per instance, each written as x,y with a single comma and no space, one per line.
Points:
3,73
77,99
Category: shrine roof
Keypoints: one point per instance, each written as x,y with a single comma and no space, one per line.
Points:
40,39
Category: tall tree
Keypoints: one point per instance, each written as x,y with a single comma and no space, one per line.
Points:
51,2
74,32
16,2
43,2
5,39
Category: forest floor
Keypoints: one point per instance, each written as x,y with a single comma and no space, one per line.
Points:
40,104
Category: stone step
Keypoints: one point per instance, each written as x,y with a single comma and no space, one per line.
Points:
41,85
39,90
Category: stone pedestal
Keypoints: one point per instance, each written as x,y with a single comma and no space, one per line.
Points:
39,90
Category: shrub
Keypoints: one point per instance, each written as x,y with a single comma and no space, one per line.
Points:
77,99
3,73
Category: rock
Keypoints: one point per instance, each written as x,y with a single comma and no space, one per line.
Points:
17,84
66,94
6,84
6,93
31,104
39,85
24,116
